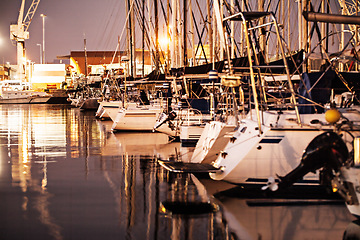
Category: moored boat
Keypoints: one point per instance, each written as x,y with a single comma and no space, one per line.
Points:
10,96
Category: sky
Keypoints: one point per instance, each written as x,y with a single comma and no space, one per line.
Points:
67,24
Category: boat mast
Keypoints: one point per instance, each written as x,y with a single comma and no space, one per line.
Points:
288,24
157,58
168,36
210,33
222,45
143,38
262,38
130,36
184,33
192,33
300,22
173,35
150,34
232,32
179,32
85,53
133,47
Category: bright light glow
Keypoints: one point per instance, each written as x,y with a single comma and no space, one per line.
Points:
164,41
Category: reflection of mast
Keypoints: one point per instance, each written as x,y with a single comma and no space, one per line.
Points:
130,183
149,193
44,180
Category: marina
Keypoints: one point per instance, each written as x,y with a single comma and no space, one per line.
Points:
65,175
221,119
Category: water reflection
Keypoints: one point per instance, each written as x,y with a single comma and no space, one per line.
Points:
64,175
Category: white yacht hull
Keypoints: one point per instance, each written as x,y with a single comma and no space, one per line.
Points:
22,97
136,118
191,121
190,134
105,107
253,157
212,141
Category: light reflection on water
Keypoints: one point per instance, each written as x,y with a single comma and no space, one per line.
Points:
63,175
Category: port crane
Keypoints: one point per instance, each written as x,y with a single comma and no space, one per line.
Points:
19,33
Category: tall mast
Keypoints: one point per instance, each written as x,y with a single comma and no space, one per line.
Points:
85,53
222,46
192,33
128,33
133,47
143,38
288,25
157,58
262,37
174,35
232,33
168,35
184,34
210,33
150,33
179,32
131,37
300,27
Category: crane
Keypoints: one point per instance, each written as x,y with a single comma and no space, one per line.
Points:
19,33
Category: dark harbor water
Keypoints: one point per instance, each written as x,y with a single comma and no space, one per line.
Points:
64,175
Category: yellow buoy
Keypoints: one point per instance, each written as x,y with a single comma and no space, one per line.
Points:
332,115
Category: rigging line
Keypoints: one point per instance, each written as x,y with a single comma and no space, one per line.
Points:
268,36
165,18
122,32
201,14
337,71
238,5
247,8
117,25
146,28
149,24
202,32
164,13
231,9
105,29
138,16
150,41
108,23
228,30
110,35
314,27
205,21
200,37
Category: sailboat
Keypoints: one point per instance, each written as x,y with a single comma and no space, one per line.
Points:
270,142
